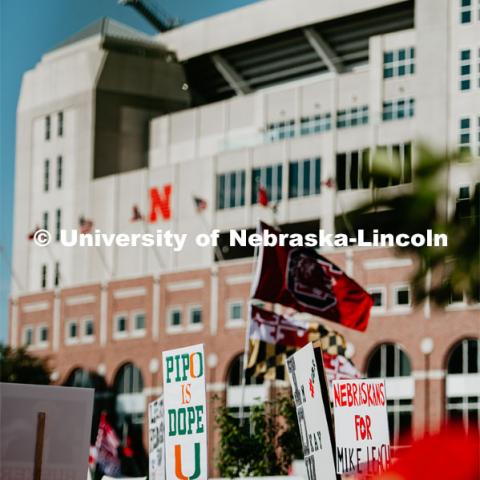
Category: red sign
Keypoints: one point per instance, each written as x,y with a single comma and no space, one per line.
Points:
160,203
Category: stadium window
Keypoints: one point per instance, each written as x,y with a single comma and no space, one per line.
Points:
478,126
389,360
58,224
43,335
398,109
353,170
60,124
72,332
269,178
378,295
57,276
235,313
400,157
462,386
88,329
28,336
129,384
398,63
120,326
59,171
465,11
352,117
465,69
45,220
47,127
304,177
315,124
401,296
139,322
464,136
175,319
231,190
195,315
280,130
43,276
46,175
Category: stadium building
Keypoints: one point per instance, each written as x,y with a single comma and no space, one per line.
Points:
284,94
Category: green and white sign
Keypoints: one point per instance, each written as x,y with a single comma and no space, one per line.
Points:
185,413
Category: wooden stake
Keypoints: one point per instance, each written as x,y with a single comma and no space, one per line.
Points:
37,466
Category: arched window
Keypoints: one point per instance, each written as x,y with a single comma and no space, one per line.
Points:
463,384
130,401
80,378
253,393
389,361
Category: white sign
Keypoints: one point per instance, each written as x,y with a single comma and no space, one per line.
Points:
156,444
185,413
310,393
361,426
66,414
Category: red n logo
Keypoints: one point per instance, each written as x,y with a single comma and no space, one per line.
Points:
160,203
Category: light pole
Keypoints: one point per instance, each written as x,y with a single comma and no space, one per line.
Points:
426,347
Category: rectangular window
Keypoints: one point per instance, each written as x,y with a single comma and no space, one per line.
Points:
269,178
175,318
315,124
47,127
304,177
352,117
196,316
46,175
121,324
43,334
43,276
402,296
231,189
59,171
465,11
28,336
139,322
236,311
88,328
398,109
464,136
45,220
462,207
398,63
58,224
60,124
280,130
465,69
378,295
400,158
57,274
353,170
72,330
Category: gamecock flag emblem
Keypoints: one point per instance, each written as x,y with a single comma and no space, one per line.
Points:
300,278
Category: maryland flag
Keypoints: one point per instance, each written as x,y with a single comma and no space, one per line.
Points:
300,278
274,337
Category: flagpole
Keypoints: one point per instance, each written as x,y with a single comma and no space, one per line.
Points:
13,275
218,249
247,343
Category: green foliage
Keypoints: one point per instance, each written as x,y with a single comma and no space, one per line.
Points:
440,271
263,445
18,366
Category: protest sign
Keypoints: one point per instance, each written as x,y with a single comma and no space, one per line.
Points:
184,397
45,431
156,436
310,393
361,426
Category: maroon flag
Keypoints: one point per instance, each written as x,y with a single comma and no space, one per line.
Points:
329,182
136,214
300,278
200,204
31,234
262,196
84,225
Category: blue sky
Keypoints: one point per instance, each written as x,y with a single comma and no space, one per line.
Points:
29,28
